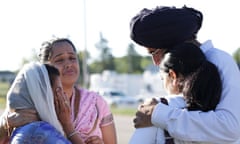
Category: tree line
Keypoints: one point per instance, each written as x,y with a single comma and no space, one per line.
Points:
131,63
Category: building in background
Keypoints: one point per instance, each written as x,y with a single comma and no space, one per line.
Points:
148,84
7,76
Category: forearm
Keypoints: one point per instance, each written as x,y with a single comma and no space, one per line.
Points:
75,138
72,134
3,127
216,127
109,134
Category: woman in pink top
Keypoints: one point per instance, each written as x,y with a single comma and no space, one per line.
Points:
84,115
93,114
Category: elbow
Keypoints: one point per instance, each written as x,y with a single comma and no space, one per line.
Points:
231,130
234,133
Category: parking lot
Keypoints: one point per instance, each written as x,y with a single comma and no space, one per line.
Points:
124,127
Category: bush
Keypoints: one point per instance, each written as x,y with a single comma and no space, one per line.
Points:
4,86
123,111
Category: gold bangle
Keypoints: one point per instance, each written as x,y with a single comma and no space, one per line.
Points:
72,134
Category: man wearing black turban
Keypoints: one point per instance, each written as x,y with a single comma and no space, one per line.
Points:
162,28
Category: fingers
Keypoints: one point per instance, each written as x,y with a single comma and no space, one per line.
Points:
143,116
28,111
56,100
62,108
142,109
22,117
61,101
154,101
61,96
136,122
138,119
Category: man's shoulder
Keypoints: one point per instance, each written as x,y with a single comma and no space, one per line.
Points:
214,54
208,48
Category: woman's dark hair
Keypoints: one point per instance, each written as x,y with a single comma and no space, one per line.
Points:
199,80
52,73
47,46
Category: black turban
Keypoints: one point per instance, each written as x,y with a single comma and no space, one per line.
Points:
164,27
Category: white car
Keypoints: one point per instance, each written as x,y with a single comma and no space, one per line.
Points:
116,98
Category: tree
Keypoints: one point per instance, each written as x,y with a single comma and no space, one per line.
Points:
81,55
106,57
33,57
133,60
236,56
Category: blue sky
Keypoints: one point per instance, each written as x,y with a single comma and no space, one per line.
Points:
26,24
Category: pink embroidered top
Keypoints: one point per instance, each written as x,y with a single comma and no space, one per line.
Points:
93,114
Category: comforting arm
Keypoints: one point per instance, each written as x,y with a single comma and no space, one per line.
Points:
219,126
3,126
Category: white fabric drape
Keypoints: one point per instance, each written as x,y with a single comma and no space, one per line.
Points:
40,91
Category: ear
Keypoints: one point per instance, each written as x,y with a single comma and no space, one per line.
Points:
173,77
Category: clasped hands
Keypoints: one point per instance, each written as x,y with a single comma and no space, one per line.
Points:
144,113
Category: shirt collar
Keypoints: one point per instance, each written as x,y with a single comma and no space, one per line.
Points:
207,45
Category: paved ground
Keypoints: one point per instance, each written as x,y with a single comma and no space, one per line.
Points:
124,127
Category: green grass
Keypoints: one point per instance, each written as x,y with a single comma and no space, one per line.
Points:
124,111
3,89
2,102
3,92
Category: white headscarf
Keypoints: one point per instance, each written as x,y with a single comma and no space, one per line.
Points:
37,83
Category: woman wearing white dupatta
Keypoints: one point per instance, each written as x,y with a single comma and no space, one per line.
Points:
32,89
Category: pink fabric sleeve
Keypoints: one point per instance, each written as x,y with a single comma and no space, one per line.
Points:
105,116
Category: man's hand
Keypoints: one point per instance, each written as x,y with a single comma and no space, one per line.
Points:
144,114
22,117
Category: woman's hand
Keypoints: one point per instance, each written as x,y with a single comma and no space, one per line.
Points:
94,140
21,117
63,110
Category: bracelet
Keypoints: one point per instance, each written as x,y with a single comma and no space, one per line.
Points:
72,134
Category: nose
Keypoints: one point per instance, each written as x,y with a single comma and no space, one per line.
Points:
67,64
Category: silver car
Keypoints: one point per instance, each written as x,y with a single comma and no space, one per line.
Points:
116,98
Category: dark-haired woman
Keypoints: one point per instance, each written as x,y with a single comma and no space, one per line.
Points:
192,83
